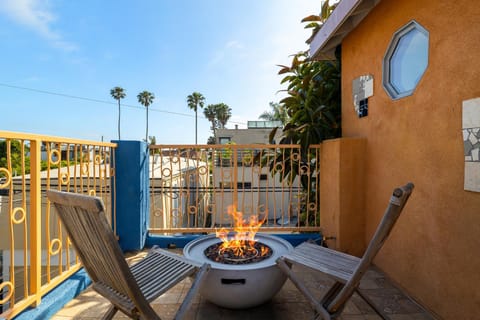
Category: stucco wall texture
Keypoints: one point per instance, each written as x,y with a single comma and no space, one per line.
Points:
434,250
342,200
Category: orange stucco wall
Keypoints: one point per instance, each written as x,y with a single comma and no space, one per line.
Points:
342,206
434,250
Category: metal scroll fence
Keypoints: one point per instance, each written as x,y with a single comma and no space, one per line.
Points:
35,254
198,188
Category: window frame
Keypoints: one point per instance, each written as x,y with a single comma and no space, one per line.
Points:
224,140
387,85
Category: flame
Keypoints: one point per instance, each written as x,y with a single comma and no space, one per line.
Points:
242,240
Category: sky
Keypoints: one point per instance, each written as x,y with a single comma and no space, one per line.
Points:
60,58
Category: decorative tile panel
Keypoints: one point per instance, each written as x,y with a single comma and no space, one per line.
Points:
471,143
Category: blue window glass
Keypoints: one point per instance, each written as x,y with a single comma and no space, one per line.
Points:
406,60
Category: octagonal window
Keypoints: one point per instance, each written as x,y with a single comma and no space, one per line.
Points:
406,60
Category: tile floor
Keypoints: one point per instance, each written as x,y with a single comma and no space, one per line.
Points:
288,304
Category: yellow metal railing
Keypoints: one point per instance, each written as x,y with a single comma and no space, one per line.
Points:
35,254
193,186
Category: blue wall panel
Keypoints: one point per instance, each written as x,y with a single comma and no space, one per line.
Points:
132,190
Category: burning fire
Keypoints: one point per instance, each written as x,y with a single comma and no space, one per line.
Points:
242,241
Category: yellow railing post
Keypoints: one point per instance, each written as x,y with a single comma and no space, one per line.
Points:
25,282
35,221
235,176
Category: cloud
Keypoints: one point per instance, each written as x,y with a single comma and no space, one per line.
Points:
37,16
231,49
264,45
234,44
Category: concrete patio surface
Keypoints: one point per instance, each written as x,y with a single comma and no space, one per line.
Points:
288,304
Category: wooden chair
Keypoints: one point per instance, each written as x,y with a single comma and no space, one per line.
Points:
346,270
129,289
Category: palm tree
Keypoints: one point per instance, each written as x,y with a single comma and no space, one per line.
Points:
118,93
278,113
145,98
210,114
218,114
223,113
194,101
152,140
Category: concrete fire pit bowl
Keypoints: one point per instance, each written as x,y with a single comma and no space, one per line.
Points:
239,286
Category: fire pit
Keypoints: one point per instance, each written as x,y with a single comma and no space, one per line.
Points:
245,281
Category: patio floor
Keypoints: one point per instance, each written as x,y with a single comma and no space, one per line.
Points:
288,304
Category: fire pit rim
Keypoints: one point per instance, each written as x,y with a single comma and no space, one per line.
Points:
194,250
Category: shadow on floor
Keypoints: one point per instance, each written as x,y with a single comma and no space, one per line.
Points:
288,304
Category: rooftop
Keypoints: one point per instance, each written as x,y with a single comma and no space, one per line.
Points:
346,16
264,124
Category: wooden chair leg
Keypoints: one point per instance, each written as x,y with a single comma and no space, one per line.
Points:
187,302
331,293
322,312
110,313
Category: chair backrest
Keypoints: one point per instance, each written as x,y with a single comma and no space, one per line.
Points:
84,219
397,202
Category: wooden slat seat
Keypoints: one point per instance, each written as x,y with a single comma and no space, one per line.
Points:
337,264
129,289
346,270
160,262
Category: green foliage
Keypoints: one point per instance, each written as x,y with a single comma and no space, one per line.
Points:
227,152
61,164
313,100
145,98
15,156
152,140
195,100
223,113
210,114
316,21
218,115
211,140
278,113
313,104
